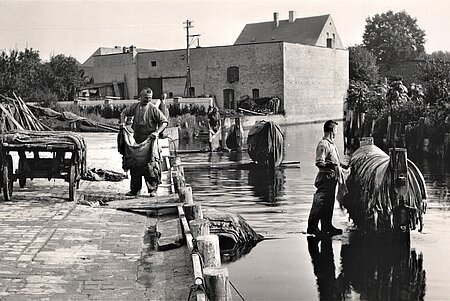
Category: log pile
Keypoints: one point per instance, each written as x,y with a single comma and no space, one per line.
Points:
16,115
371,198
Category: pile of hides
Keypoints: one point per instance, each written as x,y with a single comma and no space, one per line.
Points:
235,234
49,140
16,115
265,143
263,105
69,117
369,196
139,155
231,141
98,174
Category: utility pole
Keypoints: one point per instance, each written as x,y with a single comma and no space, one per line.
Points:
189,41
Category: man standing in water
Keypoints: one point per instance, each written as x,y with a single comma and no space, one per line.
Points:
148,121
327,160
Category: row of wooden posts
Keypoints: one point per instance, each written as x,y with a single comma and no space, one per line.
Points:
210,278
393,134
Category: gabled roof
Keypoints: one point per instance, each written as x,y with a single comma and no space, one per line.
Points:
304,31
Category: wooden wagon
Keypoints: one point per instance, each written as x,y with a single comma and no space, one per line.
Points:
65,158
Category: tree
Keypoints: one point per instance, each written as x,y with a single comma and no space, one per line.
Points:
440,55
19,72
436,73
362,65
63,76
393,38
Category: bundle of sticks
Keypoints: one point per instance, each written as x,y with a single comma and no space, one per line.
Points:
15,115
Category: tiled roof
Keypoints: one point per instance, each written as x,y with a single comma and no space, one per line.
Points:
304,31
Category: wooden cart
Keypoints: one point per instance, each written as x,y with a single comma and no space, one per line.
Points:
67,159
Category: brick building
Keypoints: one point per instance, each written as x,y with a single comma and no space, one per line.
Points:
300,60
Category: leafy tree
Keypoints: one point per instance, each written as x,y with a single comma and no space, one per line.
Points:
440,55
393,38
437,76
20,72
63,76
362,65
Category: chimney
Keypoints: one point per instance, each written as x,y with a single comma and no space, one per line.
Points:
292,16
276,20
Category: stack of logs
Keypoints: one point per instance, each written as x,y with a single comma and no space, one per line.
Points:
15,115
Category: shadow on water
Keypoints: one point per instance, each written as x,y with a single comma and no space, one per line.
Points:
371,267
267,184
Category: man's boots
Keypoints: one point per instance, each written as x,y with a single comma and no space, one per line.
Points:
327,226
314,216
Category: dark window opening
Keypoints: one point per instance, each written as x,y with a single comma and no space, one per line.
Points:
170,94
255,93
228,99
232,74
191,92
329,43
153,63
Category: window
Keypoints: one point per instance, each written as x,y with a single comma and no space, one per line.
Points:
329,43
228,99
255,93
153,63
170,94
191,91
232,74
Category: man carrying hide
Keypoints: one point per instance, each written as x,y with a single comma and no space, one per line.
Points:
141,155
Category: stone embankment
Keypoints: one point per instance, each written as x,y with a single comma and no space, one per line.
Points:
53,249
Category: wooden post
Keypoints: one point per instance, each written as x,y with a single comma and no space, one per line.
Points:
420,134
388,132
399,170
189,197
199,227
208,247
193,211
237,134
217,284
189,211
398,135
223,133
198,213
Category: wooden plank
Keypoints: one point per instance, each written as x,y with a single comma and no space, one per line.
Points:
11,118
170,234
239,164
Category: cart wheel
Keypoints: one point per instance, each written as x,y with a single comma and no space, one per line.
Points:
72,183
22,176
7,178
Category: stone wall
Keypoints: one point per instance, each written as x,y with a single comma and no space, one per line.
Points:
315,82
116,67
260,67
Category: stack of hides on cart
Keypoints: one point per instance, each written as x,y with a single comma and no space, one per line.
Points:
139,155
49,140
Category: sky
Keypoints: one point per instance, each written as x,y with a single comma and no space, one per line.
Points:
78,28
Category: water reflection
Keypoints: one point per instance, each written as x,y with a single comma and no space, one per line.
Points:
370,267
322,259
267,184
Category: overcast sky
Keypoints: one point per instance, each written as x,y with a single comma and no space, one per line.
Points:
78,28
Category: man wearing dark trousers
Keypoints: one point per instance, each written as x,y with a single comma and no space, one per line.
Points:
148,121
327,160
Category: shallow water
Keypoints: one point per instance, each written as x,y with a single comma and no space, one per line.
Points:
346,268
277,206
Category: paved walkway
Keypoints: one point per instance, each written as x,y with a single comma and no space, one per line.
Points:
53,249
